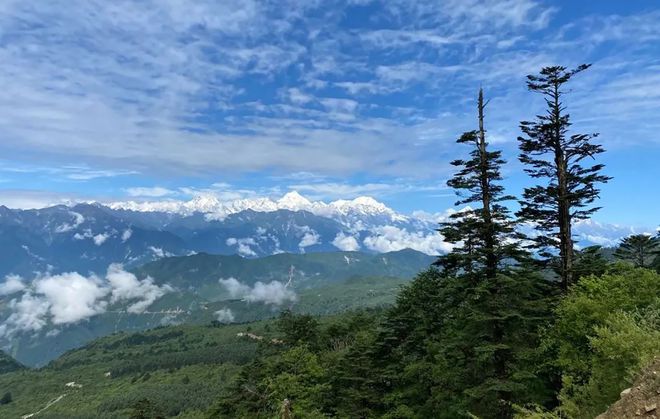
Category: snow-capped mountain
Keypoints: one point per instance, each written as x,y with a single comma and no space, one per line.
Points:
215,209
88,237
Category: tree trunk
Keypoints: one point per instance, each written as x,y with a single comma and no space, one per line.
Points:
563,204
489,234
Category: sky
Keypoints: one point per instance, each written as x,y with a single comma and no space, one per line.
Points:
167,99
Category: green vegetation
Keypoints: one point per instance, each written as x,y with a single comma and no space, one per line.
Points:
427,356
325,283
9,364
606,329
180,370
639,249
430,357
309,270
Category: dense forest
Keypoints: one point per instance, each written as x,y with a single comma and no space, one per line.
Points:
505,325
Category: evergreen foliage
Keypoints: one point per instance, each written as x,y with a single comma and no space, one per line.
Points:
484,238
639,249
550,153
590,261
463,349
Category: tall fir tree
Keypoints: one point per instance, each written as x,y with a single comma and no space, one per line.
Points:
484,237
550,153
492,292
640,249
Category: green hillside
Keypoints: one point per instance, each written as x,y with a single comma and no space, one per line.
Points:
9,364
306,269
200,307
181,368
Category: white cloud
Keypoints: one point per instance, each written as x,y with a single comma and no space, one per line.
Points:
235,288
160,252
391,238
224,315
310,238
71,296
101,238
31,199
78,220
12,285
346,243
243,244
27,314
151,192
274,292
64,95
126,235
125,287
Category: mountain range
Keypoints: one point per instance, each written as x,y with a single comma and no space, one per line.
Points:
72,273
87,237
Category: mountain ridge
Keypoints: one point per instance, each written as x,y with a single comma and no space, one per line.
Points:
86,237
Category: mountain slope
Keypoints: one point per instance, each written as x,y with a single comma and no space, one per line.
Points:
189,290
182,369
304,269
81,238
9,364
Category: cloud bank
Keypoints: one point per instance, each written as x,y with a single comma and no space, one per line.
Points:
69,298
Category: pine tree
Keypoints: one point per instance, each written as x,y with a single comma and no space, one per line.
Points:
551,154
493,294
484,237
639,249
589,261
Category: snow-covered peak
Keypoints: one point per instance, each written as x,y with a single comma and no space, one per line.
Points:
363,205
210,205
204,203
294,201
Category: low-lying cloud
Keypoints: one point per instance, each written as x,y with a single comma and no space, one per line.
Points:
391,238
273,293
243,244
224,315
126,287
71,297
346,243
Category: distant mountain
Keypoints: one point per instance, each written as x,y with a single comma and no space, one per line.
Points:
303,270
88,237
345,210
81,238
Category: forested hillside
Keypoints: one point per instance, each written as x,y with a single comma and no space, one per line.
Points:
385,363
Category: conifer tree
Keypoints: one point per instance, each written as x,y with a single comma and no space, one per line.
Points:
484,237
493,295
552,154
639,249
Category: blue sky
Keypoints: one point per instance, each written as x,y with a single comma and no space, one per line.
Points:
166,99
